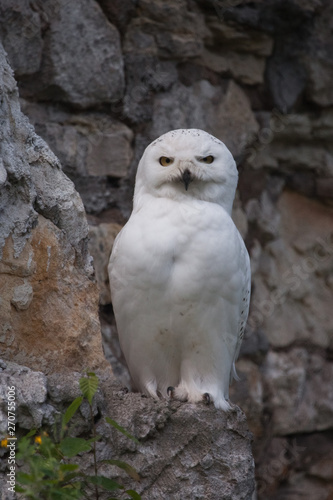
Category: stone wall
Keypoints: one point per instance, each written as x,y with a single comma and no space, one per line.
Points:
100,79
50,328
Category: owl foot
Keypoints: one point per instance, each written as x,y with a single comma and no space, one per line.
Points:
171,392
207,398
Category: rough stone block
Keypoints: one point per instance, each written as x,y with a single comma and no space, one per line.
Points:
82,62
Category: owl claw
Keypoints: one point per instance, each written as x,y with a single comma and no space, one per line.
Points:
171,392
207,398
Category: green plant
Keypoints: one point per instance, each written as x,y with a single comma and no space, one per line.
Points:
50,476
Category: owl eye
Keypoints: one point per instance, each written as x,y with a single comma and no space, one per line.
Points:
207,159
165,161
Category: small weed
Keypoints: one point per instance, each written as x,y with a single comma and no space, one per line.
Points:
50,475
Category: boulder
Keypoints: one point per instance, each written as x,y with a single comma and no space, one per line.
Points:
298,387
82,62
225,114
87,144
21,35
49,303
292,292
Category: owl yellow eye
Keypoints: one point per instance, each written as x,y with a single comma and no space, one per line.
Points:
207,159
165,161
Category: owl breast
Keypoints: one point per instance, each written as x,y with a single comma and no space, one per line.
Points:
182,251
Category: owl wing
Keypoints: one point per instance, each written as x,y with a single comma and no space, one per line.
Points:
245,269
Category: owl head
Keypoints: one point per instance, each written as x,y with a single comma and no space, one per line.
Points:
187,164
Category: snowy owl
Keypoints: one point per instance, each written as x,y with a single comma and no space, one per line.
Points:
180,272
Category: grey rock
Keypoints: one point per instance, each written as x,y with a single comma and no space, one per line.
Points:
254,344
287,80
44,252
44,188
301,396
101,239
178,45
245,68
22,297
20,32
63,387
324,187
3,173
304,156
186,451
99,194
82,62
177,28
295,144
291,300
3,365
241,51
263,213
248,392
146,75
87,144
231,119
238,38
320,71
290,23
319,59
322,126
118,12
30,394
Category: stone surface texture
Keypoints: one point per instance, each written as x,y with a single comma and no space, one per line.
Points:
99,80
48,305
186,451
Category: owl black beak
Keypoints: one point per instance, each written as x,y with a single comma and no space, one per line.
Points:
187,177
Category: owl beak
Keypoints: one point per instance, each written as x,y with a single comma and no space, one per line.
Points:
187,177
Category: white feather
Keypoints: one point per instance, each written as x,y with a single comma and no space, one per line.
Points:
180,272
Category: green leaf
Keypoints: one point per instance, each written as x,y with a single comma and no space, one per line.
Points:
133,494
68,467
18,489
72,446
71,410
95,438
104,482
31,433
25,478
126,467
121,429
89,386
67,481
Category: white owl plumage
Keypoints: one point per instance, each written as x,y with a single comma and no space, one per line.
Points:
180,272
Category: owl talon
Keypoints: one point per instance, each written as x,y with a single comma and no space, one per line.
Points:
171,392
207,399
